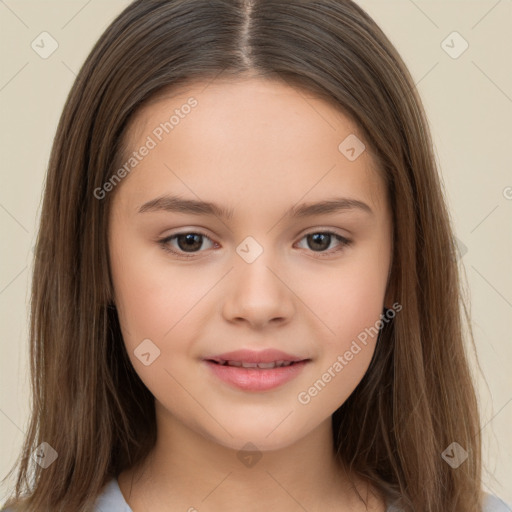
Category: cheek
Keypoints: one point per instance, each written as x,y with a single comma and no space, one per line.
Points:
148,304
346,354
156,300
154,303
350,303
348,299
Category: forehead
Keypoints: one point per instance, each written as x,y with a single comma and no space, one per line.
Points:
234,100
249,133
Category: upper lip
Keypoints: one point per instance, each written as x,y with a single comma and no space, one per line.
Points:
250,356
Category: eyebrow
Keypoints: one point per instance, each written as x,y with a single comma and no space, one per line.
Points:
176,204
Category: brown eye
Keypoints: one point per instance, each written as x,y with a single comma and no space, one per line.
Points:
190,242
320,242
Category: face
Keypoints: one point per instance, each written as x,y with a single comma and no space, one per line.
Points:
246,233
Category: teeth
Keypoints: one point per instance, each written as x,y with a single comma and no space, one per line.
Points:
268,365
263,366
249,365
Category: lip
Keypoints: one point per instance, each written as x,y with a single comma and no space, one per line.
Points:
256,379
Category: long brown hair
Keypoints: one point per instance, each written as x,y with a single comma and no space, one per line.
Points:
88,403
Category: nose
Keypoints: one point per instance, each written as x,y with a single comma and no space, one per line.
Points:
258,294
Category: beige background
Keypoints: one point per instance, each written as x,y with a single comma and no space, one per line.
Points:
469,105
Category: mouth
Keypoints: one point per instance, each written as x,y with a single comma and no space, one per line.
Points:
260,366
256,371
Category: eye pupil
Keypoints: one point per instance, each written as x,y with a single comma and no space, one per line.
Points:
192,241
319,238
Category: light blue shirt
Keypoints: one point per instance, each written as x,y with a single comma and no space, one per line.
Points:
112,500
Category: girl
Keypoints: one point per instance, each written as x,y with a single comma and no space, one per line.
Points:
246,292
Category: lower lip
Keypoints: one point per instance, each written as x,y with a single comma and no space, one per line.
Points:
254,379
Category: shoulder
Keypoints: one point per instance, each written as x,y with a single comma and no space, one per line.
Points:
490,504
110,500
494,504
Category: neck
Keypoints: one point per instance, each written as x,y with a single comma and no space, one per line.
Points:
187,471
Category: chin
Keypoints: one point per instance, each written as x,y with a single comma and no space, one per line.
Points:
264,436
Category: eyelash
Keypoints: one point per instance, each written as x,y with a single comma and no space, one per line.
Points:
164,243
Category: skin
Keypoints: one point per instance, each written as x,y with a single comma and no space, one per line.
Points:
258,147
